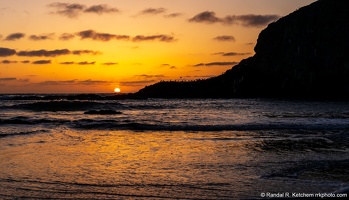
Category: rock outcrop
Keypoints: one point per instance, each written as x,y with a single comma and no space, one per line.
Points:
304,54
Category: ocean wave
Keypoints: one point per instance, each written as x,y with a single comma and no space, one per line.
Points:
102,112
68,97
103,122
20,120
328,115
119,125
22,133
330,170
55,106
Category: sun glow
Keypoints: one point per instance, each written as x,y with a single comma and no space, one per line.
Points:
117,90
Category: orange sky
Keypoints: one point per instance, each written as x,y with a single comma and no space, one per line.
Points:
95,46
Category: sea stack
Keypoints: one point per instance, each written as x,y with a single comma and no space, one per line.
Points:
302,55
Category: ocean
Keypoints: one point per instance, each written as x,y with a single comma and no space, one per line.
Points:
101,147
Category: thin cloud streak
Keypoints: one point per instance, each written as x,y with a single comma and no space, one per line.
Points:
67,10
66,36
173,15
44,53
49,36
162,38
54,53
105,37
216,64
250,20
14,36
80,52
152,11
8,79
101,9
78,63
67,63
86,63
74,82
225,38
137,83
110,63
151,76
41,62
74,10
8,62
231,54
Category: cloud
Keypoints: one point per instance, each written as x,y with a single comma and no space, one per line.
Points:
216,64
80,52
101,9
231,54
105,37
168,65
7,52
67,63
225,38
110,63
249,20
68,10
91,34
151,76
77,63
8,62
44,53
197,77
8,79
152,11
54,53
42,37
25,61
68,82
157,11
67,36
137,83
256,20
14,36
75,82
162,38
173,15
74,10
93,82
143,79
86,63
41,62
206,17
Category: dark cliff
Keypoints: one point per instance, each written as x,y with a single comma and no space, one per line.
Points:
305,54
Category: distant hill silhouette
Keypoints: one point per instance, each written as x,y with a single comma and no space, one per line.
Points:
304,54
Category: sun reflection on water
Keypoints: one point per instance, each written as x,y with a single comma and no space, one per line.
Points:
125,162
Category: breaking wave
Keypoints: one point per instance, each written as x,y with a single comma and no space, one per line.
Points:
55,106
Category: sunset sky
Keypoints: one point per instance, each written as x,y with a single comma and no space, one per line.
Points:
86,46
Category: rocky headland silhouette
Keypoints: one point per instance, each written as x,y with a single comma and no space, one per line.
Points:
302,55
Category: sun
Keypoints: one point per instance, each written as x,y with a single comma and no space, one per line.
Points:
117,90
